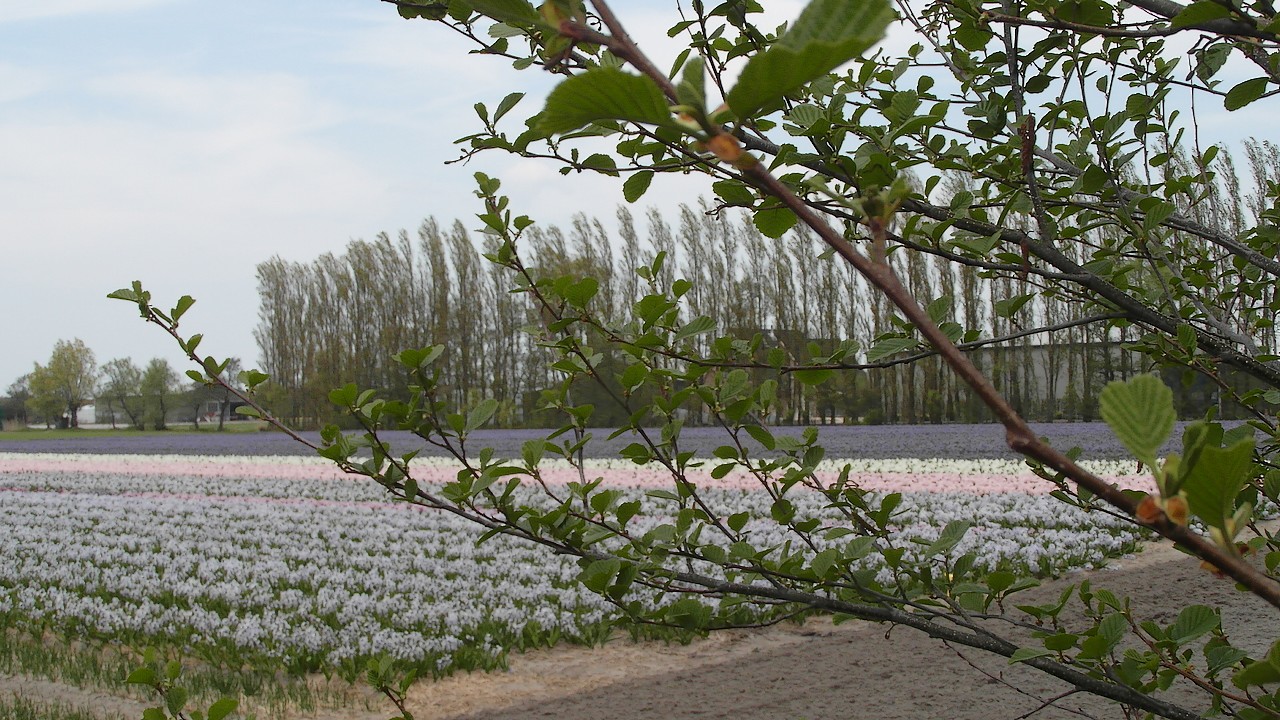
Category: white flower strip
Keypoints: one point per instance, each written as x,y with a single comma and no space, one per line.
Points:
313,569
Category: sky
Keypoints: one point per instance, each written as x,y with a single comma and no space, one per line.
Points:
181,143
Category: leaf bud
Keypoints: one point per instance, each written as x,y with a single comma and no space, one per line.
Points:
1177,509
1149,511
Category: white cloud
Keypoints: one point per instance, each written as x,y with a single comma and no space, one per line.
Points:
12,10
213,176
18,83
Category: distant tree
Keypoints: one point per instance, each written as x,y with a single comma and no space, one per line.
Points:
197,397
44,402
17,394
72,377
158,382
122,384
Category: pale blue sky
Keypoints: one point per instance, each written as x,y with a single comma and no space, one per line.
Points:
181,143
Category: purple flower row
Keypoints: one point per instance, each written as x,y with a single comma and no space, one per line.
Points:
876,442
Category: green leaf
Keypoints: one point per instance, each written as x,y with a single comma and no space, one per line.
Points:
782,511
124,294
222,708
1140,413
176,700
827,34
184,304
1009,306
762,436
696,326
580,293
1199,12
815,376
774,222
950,536
1061,641
253,378
597,576
603,94
1261,672
507,103
1212,484
1085,12
692,88
1024,654
154,714
511,12
413,9
1245,93
636,185
481,413
733,192
1192,622
142,676
890,346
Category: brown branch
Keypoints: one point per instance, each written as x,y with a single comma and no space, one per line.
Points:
1018,435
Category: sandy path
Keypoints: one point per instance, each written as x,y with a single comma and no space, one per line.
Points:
824,671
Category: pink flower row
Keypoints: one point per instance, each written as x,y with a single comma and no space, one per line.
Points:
979,483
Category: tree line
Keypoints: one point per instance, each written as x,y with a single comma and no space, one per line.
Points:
342,317
123,393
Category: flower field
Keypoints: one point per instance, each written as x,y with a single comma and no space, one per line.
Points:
264,561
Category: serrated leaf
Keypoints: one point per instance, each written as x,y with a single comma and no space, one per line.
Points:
222,708
762,436
1112,629
733,192
184,304
603,94
511,12
950,536
827,34
507,103
1244,93
696,326
142,676
774,222
1140,412
1261,672
580,293
1212,484
597,576
890,346
1009,306
1192,622
176,700
1199,12
636,185
123,294
481,413
806,115
1024,654
813,376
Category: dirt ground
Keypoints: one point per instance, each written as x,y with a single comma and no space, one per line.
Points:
810,672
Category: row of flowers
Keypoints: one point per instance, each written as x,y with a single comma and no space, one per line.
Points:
983,476
290,560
